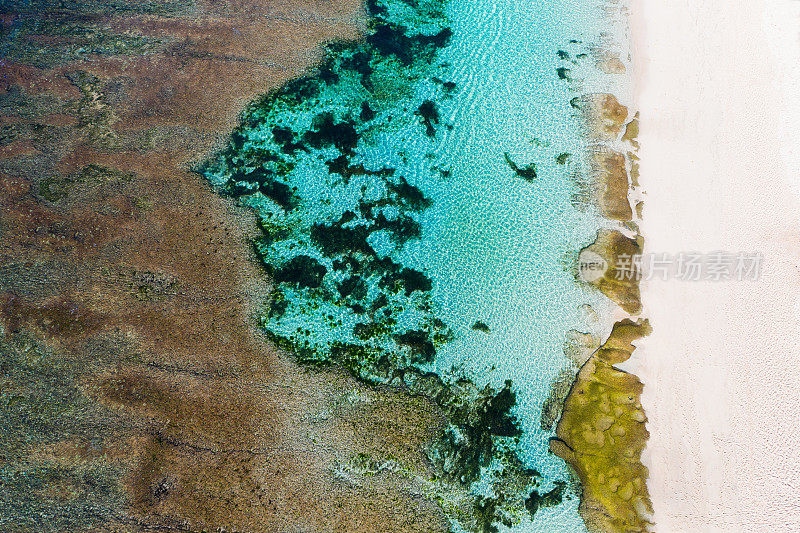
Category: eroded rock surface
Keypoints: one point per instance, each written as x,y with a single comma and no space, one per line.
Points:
602,434
610,183
620,278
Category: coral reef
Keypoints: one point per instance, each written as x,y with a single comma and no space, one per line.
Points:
334,219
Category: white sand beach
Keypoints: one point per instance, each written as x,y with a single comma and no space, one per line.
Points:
720,132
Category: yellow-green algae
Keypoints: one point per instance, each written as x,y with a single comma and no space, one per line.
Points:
602,434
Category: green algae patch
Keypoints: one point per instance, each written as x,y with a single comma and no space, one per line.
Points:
54,189
602,435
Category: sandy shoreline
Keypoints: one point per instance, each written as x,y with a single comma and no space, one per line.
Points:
602,430
722,386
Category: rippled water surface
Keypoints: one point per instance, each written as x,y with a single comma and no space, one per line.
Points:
496,243
397,229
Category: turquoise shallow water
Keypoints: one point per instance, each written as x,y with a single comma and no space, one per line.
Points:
494,243
498,243
393,220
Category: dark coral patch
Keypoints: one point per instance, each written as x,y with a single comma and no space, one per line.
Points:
392,40
481,326
367,113
402,228
420,344
303,270
328,132
354,286
429,114
333,240
553,497
527,172
409,279
408,194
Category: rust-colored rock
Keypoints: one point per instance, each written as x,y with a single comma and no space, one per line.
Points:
620,275
604,116
631,134
610,184
610,65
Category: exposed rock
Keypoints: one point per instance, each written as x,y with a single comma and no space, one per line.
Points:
610,183
602,434
632,132
601,431
604,115
620,279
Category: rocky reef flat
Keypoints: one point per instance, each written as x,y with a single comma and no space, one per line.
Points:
137,392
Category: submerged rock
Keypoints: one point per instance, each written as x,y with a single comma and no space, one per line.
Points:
481,326
528,172
430,115
302,270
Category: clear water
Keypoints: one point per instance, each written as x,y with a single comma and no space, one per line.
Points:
494,245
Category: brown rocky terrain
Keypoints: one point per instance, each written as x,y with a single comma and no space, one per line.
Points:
608,182
137,393
620,280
